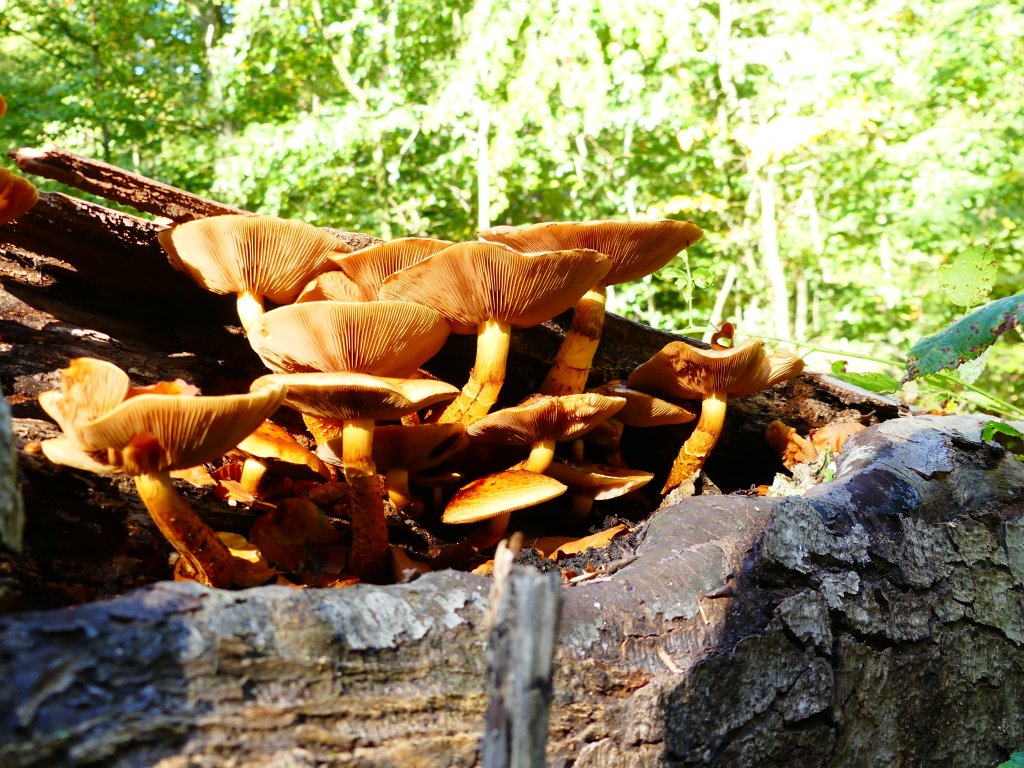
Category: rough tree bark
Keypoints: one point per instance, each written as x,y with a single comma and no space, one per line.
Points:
877,620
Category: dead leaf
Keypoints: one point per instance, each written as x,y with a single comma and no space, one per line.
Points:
555,547
833,436
197,476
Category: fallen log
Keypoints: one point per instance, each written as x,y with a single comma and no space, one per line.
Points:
879,617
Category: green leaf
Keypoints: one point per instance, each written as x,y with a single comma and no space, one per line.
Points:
1012,440
703,278
1016,761
881,383
965,339
968,279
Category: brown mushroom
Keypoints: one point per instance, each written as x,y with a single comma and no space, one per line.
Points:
271,443
641,410
714,375
493,498
254,257
17,195
595,482
636,249
357,400
149,435
488,289
360,274
790,447
544,420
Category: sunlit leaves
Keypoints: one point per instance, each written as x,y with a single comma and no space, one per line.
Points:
968,278
873,382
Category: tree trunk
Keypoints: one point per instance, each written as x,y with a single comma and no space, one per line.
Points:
876,620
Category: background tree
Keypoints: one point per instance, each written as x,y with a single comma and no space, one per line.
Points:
837,154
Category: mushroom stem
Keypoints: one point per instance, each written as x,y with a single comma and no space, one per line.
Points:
698,445
542,453
250,309
192,538
370,552
569,372
581,502
397,482
486,378
489,533
253,471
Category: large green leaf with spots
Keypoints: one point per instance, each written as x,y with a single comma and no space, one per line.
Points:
965,339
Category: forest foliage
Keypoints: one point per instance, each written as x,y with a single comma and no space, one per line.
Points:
842,157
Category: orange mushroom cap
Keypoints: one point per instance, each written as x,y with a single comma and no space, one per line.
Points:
17,195
500,494
360,274
546,417
385,338
472,282
636,248
348,396
264,255
681,371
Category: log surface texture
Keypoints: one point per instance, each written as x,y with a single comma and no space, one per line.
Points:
876,621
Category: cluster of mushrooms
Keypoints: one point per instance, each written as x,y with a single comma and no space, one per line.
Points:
346,342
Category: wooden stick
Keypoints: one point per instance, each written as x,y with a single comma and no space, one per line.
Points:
523,619
118,185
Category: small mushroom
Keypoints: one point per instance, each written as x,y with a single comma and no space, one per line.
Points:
271,443
488,289
17,195
790,447
360,274
544,420
635,248
493,498
254,257
146,437
595,482
683,372
641,410
357,400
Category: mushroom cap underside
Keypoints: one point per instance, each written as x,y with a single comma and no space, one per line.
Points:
681,371
17,195
382,338
636,248
474,281
263,255
347,396
359,274
190,430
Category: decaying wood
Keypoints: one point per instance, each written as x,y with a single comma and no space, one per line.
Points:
879,615
12,508
876,620
522,623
